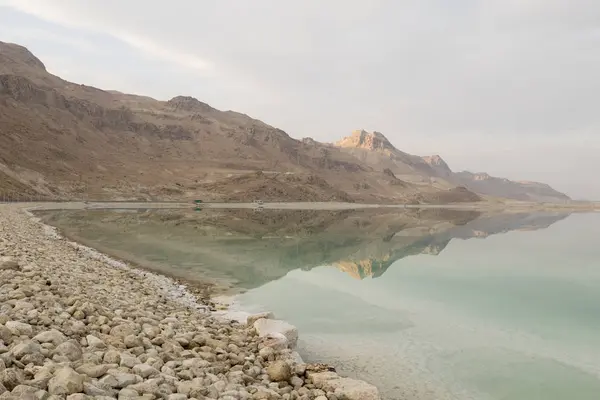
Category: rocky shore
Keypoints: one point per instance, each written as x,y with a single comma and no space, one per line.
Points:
75,324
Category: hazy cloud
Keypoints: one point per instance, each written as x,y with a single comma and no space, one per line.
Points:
506,86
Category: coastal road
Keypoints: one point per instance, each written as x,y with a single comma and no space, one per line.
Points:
266,206
123,205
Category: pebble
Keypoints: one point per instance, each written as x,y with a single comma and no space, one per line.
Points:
76,325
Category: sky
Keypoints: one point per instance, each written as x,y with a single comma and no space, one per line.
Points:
509,87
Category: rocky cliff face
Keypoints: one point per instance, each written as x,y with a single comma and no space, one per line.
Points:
438,165
378,152
361,139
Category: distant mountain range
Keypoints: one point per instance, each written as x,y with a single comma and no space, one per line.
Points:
68,140
375,149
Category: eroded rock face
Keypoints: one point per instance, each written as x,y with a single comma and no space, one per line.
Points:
362,139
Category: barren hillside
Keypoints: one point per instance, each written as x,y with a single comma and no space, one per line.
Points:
72,141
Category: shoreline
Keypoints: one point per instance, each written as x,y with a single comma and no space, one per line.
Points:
204,290
511,206
269,343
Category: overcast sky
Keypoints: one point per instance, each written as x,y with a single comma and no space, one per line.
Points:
510,87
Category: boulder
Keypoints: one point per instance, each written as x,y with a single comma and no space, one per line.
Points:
145,371
19,328
9,263
52,336
123,330
270,327
345,388
65,381
95,343
94,371
255,317
279,371
277,341
70,349
23,390
25,348
5,334
10,378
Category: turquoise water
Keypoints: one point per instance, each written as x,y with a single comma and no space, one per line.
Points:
514,316
424,304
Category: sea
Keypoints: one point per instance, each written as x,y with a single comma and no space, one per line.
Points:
426,304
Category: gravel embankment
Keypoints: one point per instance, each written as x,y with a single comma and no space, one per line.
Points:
75,324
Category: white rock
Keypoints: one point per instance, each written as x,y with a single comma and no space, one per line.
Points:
95,343
9,263
19,328
70,349
195,363
128,394
251,319
24,392
94,371
5,334
177,396
66,381
277,341
145,371
124,380
25,348
270,327
346,388
52,336
123,330
79,396
128,360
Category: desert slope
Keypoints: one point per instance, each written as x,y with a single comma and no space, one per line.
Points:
67,140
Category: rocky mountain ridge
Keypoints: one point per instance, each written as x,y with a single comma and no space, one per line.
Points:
72,141
379,153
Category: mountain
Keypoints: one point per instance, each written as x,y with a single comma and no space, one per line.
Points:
72,141
378,152
375,150
485,184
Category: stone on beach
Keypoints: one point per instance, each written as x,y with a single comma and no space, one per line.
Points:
52,336
9,263
271,327
75,324
251,319
65,381
279,371
345,388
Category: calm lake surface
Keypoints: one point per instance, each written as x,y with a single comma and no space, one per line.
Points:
425,304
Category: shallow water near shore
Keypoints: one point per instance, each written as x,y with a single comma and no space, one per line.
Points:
425,304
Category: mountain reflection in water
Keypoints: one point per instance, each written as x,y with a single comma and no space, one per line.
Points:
244,249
